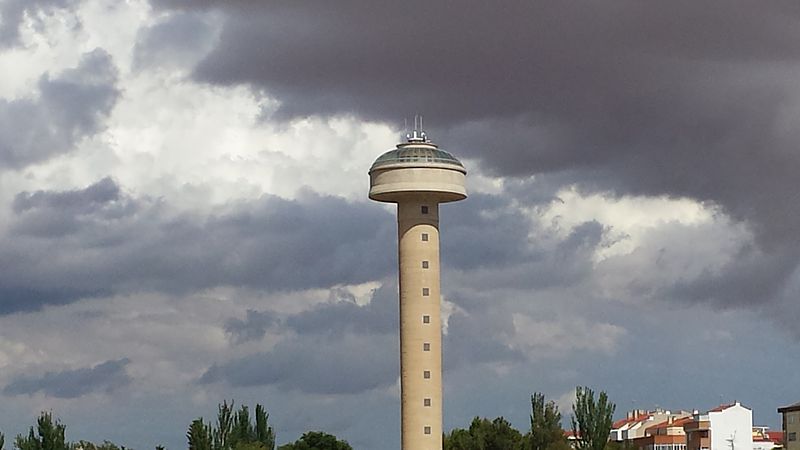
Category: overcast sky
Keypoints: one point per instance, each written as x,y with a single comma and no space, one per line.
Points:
183,187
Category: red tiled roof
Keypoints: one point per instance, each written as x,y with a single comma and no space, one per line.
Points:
656,426
622,422
775,436
619,423
722,407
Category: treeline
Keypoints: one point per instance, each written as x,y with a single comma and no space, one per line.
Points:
237,431
49,434
233,429
590,422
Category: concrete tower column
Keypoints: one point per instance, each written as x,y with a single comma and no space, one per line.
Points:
420,323
418,176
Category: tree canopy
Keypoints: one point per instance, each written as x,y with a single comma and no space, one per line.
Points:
317,440
48,435
484,434
233,430
239,430
545,432
591,419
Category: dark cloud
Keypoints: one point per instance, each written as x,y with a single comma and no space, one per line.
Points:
98,240
751,278
71,105
379,316
64,245
48,214
175,40
497,243
12,12
105,377
252,328
478,339
331,336
683,99
316,365
337,347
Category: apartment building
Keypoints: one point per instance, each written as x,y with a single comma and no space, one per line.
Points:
727,427
791,426
636,423
666,435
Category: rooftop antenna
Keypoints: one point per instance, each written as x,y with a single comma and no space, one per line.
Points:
417,135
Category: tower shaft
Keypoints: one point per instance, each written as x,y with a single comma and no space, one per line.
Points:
418,176
420,323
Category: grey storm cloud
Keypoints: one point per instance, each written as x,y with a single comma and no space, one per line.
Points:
341,347
252,328
316,365
337,347
379,316
12,12
104,377
683,99
65,245
516,242
174,40
478,339
71,105
99,240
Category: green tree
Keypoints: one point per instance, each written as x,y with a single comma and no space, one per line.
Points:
484,434
249,446
317,440
2,440
234,430
591,419
242,430
199,435
49,435
458,439
86,445
224,425
545,432
264,433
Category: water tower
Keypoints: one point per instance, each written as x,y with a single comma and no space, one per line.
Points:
418,176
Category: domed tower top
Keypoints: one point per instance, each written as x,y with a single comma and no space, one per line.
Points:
417,167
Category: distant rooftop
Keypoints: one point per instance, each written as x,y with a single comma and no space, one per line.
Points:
793,407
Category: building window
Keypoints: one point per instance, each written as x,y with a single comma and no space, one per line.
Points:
426,347
424,264
792,436
426,374
426,319
424,209
427,430
424,237
426,402
790,418
426,292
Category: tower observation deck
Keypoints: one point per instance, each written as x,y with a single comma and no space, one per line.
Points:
418,176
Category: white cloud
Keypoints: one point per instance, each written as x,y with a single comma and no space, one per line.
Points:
629,217
564,337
